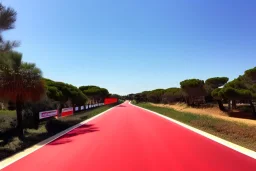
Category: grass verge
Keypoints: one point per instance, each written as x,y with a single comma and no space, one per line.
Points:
238,133
32,136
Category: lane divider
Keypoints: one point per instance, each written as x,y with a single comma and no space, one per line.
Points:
8,161
228,144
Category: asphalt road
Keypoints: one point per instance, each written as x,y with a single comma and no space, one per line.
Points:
128,138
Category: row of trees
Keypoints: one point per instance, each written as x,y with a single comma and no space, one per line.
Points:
22,84
24,87
196,91
19,81
69,95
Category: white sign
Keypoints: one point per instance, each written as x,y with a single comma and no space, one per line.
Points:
76,108
87,106
47,114
82,107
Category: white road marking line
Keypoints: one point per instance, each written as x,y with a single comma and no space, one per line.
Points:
228,144
8,161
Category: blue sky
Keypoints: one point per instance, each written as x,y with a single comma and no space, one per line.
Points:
128,46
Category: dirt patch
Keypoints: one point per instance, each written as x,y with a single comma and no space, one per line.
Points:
211,111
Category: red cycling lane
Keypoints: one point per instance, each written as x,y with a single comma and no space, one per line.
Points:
128,138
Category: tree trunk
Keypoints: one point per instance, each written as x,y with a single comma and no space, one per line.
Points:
229,105
222,108
19,118
233,104
253,108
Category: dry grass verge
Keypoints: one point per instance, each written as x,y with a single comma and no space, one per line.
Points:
209,111
235,132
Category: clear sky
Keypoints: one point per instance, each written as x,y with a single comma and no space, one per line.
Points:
128,46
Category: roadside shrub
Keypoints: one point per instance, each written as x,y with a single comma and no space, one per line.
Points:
7,135
55,126
245,108
31,112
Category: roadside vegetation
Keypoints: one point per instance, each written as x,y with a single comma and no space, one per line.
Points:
236,132
211,110
236,98
11,144
24,92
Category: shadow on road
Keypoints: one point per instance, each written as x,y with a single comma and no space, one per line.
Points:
121,106
67,138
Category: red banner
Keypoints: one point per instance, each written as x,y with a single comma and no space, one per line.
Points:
110,100
67,111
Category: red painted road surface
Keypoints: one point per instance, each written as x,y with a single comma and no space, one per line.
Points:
131,139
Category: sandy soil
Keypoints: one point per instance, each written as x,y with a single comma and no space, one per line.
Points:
211,111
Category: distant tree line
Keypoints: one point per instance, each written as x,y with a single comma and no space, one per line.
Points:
195,92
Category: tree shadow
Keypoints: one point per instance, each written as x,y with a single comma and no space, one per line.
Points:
121,106
67,138
7,135
243,115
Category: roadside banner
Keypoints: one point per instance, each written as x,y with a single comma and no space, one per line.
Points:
47,114
67,111
110,100
82,107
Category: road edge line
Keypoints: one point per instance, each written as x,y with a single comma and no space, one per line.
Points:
226,143
14,158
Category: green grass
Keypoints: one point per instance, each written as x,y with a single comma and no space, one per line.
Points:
7,112
33,136
7,120
238,133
